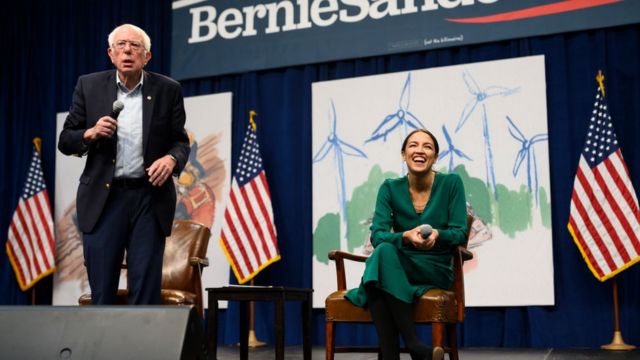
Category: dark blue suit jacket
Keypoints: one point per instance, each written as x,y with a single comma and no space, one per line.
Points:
163,133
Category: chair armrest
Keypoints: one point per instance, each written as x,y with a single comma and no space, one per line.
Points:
199,261
338,255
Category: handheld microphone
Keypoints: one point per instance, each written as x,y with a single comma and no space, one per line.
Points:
116,108
425,231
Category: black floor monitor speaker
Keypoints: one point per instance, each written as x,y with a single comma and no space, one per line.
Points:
100,332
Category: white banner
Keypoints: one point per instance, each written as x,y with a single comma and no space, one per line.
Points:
206,176
490,120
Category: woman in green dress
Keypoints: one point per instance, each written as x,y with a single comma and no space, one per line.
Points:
404,265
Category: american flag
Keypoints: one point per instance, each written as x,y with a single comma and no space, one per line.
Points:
31,243
604,219
248,233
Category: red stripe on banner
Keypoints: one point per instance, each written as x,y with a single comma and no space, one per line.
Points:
22,240
236,237
256,224
536,11
608,224
38,219
17,264
624,218
586,249
263,208
585,218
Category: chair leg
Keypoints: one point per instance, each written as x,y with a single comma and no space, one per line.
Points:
330,344
437,334
452,338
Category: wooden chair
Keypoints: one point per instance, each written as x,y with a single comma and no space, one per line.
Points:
184,258
444,309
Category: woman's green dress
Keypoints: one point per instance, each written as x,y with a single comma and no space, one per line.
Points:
399,269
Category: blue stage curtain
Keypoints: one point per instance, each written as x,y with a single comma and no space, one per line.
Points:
48,44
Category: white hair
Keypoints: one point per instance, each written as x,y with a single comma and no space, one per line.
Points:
145,38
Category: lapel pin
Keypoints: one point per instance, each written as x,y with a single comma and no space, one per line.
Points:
148,97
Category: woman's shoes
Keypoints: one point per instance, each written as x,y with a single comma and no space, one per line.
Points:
438,353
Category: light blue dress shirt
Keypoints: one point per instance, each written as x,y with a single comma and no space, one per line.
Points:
129,157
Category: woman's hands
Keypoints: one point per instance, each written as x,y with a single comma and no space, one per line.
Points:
414,238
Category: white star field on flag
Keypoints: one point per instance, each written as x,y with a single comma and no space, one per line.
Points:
35,178
601,140
250,163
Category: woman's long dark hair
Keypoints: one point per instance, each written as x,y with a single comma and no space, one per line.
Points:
435,141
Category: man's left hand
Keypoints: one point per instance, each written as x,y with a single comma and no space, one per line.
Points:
161,170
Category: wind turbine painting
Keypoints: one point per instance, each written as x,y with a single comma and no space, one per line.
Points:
401,117
451,151
339,148
526,153
490,119
479,98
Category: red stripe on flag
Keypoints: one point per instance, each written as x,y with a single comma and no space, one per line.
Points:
625,221
609,210
595,235
20,260
36,241
23,241
229,241
47,223
242,218
249,204
263,207
232,254
621,183
265,254
236,236
585,249
256,223
608,224
30,243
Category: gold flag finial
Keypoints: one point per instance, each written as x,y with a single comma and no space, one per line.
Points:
37,142
600,80
251,121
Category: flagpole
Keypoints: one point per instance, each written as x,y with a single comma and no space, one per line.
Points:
618,342
253,340
37,142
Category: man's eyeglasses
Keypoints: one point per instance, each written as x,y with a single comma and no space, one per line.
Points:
134,45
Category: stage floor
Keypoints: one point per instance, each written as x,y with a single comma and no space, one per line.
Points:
295,353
